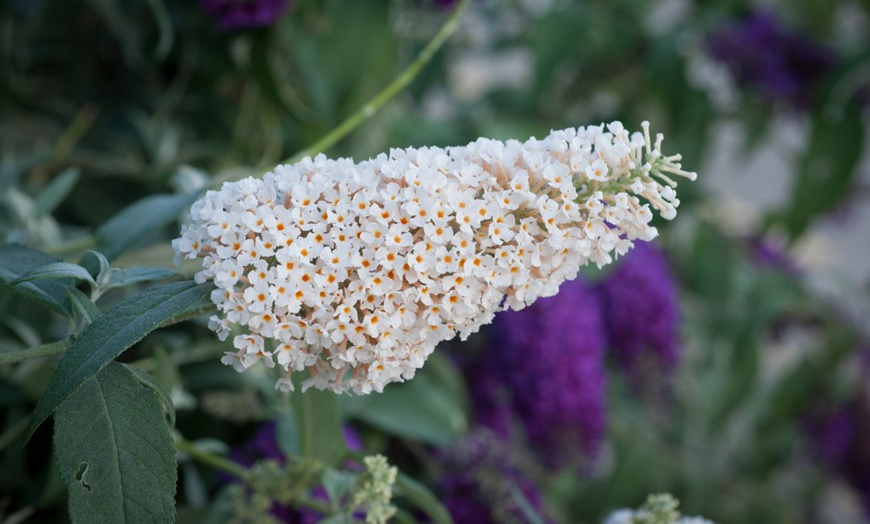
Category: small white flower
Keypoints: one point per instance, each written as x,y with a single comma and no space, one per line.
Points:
597,170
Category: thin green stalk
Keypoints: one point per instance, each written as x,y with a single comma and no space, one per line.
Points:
77,129
223,464
395,87
73,246
399,83
13,432
45,350
215,461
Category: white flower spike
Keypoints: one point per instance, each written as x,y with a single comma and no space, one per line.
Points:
356,271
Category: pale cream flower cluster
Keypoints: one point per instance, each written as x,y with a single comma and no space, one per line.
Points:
356,271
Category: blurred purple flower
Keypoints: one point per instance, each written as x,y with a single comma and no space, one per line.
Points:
765,253
490,400
544,367
639,302
233,15
477,481
832,435
840,438
781,63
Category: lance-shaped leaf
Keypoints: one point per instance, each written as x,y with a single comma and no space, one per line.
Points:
56,271
421,409
55,192
115,452
108,336
318,422
150,381
419,495
138,220
84,305
135,275
16,260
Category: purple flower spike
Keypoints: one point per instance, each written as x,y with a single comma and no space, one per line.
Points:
639,300
232,15
477,479
549,357
782,64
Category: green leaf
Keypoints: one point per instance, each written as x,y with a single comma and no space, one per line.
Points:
827,171
150,381
287,434
338,518
319,424
531,515
55,271
115,452
16,260
421,409
420,496
139,220
83,304
136,275
118,329
337,483
105,267
55,192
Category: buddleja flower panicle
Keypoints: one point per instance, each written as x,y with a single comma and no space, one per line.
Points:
356,271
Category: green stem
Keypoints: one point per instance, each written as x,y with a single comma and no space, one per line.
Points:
215,461
223,464
77,129
319,507
399,83
45,350
395,87
73,246
14,431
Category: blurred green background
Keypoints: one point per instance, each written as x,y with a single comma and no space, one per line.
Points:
106,102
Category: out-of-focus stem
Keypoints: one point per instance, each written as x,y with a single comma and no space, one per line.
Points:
45,350
395,87
215,461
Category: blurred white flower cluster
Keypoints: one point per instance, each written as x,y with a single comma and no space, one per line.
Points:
356,271
659,508
627,516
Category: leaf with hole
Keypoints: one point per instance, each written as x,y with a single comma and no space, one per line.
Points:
115,452
108,336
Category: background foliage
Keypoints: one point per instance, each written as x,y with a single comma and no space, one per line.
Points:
114,116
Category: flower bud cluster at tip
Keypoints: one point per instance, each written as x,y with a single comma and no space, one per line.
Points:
375,492
356,271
